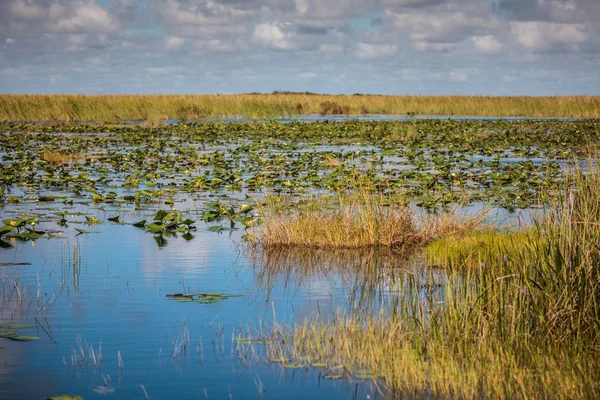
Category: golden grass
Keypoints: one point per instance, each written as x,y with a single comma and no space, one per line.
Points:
360,220
413,364
112,108
58,157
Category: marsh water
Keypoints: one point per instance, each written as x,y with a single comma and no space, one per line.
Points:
93,289
108,290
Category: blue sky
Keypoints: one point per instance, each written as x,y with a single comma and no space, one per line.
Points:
491,47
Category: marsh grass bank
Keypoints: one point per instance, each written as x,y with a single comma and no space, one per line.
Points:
359,219
520,316
154,108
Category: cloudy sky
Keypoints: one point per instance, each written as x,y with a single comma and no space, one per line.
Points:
497,47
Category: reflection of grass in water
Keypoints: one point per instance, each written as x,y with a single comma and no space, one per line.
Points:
368,275
71,262
524,324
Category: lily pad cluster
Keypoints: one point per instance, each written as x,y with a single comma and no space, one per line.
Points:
217,211
21,228
165,221
221,170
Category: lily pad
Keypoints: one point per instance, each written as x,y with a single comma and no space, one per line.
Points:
294,366
333,376
203,298
12,335
365,374
9,264
278,360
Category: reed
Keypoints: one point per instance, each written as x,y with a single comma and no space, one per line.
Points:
113,108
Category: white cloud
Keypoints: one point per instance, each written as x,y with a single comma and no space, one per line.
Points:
27,11
434,47
462,74
543,36
306,75
271,35
174,42
447,23
487,44
203,19
86,18
371,51
331,48
164,70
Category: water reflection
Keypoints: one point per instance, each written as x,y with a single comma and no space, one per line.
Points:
363,280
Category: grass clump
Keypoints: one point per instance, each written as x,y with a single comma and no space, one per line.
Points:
358,220
58,157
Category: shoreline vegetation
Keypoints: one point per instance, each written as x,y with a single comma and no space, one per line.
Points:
519,316
156,108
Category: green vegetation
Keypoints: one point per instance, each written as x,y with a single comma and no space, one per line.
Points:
10,332
524,324
154,108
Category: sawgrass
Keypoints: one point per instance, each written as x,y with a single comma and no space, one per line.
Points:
113,108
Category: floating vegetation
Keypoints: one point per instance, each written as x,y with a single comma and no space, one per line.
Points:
204,298
165,221
12,264
227,174
244,340
293,366
10,332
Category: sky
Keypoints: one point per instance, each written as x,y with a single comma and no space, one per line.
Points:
420,47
